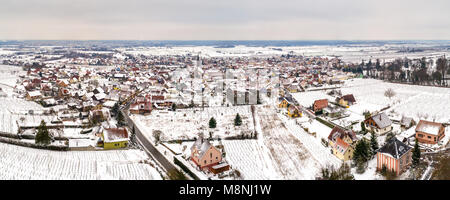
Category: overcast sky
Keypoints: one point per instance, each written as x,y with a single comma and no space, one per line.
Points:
225,19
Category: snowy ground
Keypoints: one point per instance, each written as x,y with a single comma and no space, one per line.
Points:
290,158
26,163
188,123
248,157
419,102
9,74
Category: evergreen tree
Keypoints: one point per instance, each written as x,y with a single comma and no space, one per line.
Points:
416,154
361,153
373,143
42,136
212,123
120,119
174,107
363,127
115,109
237,120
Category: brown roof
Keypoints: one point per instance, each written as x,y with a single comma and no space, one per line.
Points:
158,97
338,132
116,133
349,98
321,103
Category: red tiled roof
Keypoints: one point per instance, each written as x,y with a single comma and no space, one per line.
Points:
344,145
321,103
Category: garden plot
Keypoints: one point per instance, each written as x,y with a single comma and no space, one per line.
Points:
320,129
12,110
313,144
26,163
16,105
247,156
9,74
288,154
187,123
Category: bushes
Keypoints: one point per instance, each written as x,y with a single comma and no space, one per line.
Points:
177,162
388,174
343,173
176,175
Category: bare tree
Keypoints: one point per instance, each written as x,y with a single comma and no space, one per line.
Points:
389,93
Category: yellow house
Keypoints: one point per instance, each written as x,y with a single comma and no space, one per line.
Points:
343,102
98,107
283,104
114,138
343,150
342,143
346,100
294,111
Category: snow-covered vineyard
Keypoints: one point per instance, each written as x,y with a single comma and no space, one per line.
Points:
26,163
249,157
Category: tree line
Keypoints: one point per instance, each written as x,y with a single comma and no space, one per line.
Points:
421,71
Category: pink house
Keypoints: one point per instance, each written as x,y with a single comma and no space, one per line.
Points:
203,154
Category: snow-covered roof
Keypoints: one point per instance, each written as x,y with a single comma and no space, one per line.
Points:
432,128
115,134
394,148
34,93
382,120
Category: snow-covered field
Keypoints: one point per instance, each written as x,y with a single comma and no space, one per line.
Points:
290,158
26,163
12,110
9,74
419,102
248,157
187,123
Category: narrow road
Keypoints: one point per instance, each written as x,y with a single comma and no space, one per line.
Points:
148,146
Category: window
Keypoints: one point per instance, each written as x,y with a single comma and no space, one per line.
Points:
217,158
429,137
205,162
210,155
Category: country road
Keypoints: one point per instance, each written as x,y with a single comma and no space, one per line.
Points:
148,146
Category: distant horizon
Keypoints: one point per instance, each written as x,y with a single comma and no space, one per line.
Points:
222,43
225,20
